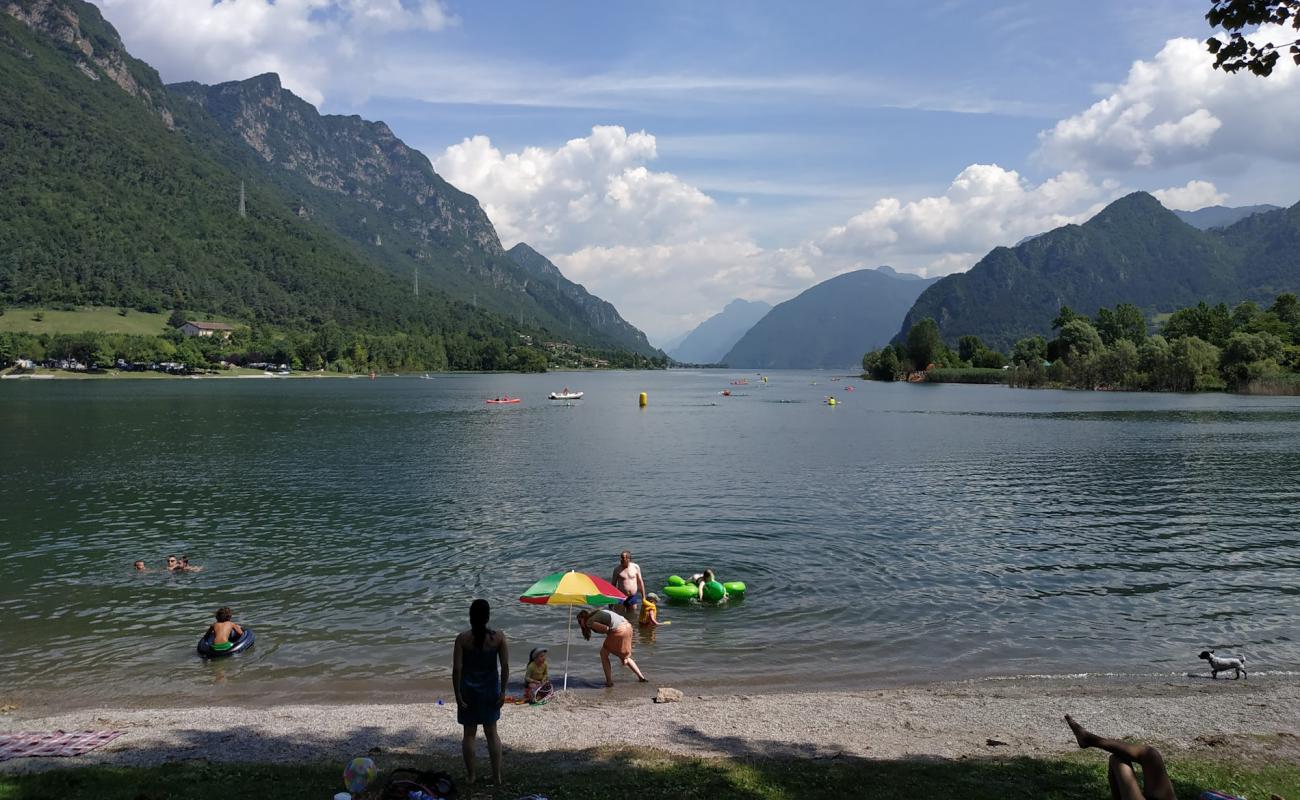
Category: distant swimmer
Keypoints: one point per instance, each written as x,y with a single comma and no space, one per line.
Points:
140,567
186,567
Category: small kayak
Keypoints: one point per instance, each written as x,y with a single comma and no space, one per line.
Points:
565,395
237,645
501,401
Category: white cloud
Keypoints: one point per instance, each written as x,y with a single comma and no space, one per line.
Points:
1177,109
1193,195
985,206
659,248
592,191
310,43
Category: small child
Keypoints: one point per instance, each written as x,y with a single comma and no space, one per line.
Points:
650,612
222,629
140,567
537,684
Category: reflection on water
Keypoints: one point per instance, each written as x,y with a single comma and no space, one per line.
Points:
909,533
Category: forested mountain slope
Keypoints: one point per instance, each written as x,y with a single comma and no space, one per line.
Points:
1133,251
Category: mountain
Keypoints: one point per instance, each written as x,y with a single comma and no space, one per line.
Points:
239,200
1133,251
709,341
1220,216
831,324
564,299
358,179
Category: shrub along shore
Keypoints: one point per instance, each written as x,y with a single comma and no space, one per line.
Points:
1246,349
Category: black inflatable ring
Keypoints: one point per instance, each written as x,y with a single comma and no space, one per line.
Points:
240,644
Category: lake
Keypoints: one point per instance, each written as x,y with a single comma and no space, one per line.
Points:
912,533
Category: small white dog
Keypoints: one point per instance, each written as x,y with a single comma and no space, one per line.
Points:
1224,663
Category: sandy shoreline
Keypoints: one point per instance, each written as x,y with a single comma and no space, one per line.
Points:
1255,718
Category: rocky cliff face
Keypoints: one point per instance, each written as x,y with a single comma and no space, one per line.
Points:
349,156
548,286
96,47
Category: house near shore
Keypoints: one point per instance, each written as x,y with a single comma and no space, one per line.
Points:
192,328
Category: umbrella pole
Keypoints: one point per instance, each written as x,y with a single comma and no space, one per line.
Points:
568,634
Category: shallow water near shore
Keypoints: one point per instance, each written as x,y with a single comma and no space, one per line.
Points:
909,534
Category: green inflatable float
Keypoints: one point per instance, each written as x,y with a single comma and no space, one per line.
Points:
714,592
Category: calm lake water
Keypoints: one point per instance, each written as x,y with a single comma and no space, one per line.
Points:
911,533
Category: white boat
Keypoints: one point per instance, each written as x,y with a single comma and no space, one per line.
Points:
565,395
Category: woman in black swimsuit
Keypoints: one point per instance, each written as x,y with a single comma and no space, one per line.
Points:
480,690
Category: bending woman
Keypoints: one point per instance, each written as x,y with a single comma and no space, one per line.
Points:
618,639
480,692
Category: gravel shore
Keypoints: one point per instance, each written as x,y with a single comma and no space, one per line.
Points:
1259,717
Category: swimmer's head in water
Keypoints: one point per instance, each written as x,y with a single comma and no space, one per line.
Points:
139,565
224,614
172,562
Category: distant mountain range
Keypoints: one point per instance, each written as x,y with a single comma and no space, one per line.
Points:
1133,251
121,191
831,324
709,341
1221,216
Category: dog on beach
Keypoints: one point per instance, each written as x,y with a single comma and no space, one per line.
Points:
1224,663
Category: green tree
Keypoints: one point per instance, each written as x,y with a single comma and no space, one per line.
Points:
1029,350
1286,307
1212,324
1078,341
177,318
1235,51
1064,315
1117,366
988,359
1124,323
882,364
1155,360
1194,365
924,344
1248,356
968,346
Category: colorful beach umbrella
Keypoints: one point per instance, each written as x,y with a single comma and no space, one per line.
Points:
571,589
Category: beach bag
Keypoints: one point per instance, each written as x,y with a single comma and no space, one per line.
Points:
404,780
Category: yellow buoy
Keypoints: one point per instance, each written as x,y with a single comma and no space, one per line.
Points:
643,400
830,401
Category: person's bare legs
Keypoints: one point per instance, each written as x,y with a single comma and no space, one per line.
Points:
494,750
467,752
630,664
604,663
1123,754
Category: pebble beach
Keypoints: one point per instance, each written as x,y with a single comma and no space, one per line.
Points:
1014,717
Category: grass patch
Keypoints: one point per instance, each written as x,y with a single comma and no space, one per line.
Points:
1283,383
99,320
966,375
652,775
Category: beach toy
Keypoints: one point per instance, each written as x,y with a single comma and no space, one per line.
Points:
358,774
676,580
238,645
680,592
688,591
714,592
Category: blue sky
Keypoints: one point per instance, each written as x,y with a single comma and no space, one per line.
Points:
674,155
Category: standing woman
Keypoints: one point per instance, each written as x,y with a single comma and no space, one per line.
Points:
618,639
480,691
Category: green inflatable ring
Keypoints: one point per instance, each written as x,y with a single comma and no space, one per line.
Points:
683,591
676,580
734,587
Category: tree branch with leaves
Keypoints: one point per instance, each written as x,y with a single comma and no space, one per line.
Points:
1234,16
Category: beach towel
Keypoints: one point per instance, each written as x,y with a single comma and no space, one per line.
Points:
34,744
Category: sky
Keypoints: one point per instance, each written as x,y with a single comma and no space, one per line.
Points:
672,156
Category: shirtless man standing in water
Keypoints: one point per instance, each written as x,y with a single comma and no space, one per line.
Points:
628,580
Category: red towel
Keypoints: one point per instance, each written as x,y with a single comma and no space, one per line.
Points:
33,744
